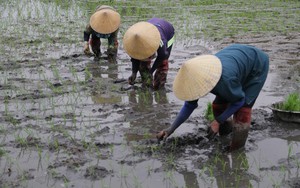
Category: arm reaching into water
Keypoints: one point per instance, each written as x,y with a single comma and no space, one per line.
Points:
135,69
183,115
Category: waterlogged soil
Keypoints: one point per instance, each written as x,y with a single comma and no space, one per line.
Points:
69,120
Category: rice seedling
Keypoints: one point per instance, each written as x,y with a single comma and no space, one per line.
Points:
98,152
2,152
39,151
136,182
170,160
88,74
147,135
298,164
208,113
55,145
170,178
20,140
6,108
275,182
84,143
291,103
56,72
111,148
66,182
123,171
290,148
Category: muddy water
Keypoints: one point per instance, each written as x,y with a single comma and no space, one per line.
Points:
68,120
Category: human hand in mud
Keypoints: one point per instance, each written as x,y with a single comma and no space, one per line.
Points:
112,55
162,135
87,49
112,51
131,79
213,130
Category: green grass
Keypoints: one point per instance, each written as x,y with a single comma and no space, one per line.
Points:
208,113
291,103
2,152
211,19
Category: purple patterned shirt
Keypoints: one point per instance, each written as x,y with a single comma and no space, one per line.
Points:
166,31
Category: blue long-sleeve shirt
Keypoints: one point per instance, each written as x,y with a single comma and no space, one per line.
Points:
244,71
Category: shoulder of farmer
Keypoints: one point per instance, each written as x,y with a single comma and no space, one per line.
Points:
159,21
251,57
163,24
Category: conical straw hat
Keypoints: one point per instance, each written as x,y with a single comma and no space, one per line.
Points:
105,21
197,77
141,40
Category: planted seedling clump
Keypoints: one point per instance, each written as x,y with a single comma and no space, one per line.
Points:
291,103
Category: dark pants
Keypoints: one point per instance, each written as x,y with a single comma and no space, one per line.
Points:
95,44
160,76
241,122
113,44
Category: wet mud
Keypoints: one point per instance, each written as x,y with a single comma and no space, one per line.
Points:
69,120
116,116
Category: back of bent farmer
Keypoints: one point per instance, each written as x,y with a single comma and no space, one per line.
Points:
142,42
235,75
104,23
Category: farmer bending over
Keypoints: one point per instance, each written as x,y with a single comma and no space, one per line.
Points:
104,23
145,41
235,75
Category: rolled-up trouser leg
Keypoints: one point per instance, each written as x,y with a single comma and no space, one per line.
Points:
242,121
95,44
243,116
160,77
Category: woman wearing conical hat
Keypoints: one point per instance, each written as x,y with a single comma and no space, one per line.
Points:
235,75
104,23
145,41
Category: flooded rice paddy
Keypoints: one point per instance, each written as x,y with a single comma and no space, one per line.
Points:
68,120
